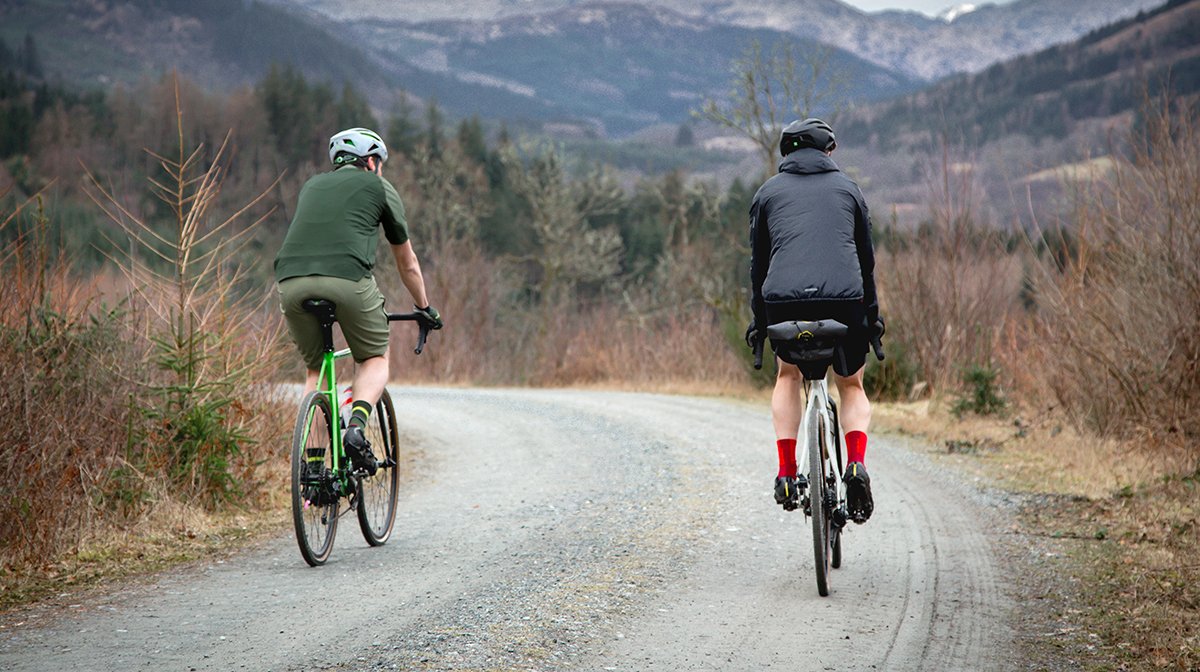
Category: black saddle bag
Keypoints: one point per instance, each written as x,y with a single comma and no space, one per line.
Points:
810,345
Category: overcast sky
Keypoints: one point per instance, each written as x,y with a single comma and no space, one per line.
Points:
930,7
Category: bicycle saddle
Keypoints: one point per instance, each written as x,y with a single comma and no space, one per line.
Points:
324,309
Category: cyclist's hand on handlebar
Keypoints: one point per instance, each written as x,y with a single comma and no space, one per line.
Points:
877,331
752,336
430,316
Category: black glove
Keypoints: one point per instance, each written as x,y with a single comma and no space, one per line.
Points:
752,335
431,316
877,330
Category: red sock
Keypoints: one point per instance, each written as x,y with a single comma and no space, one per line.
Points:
787,457
856,447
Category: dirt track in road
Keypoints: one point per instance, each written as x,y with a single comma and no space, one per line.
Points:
579,530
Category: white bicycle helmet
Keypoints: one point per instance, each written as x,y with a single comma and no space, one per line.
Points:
361,142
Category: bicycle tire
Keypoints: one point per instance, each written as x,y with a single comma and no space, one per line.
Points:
818,487
835,547
377,494
315,524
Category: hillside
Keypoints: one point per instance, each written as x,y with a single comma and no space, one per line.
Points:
899,41
1051,93
599,69
219,43
618,67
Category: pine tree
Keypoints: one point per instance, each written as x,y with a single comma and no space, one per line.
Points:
28,58
471,140
403,135
433,128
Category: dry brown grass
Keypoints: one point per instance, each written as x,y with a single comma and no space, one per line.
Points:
1034,452
122,424
1137,554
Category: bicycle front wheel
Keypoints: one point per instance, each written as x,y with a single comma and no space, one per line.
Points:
377,494
314,495
818,504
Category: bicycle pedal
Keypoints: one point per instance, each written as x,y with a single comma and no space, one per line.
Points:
839,517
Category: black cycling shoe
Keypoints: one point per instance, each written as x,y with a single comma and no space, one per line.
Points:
859,504
358,449
787,493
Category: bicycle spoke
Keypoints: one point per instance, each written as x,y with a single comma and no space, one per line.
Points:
314,493
377,494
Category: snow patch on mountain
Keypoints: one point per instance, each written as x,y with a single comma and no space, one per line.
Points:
951,13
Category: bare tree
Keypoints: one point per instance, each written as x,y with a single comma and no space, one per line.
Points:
772,88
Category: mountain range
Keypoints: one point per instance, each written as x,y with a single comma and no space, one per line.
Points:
1107,74
905,42
600,67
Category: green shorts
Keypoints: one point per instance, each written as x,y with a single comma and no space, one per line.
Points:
360,315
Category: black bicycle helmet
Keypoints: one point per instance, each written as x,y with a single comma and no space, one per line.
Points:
811,132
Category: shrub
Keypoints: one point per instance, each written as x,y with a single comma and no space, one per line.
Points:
1118,320
982,394
892,379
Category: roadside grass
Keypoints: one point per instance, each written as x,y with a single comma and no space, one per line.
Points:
1137,553
175,535
175,532
1121,518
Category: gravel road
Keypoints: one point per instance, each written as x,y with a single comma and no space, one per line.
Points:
577,530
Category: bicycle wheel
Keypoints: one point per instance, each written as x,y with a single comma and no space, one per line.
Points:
835,545
314,498
377,494
819,498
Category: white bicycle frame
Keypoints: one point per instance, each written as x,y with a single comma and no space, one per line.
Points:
816,409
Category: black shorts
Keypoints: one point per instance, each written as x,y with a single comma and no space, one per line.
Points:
853,348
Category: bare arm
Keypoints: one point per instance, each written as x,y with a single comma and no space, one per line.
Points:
410,272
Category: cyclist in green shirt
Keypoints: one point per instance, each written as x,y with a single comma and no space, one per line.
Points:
329,253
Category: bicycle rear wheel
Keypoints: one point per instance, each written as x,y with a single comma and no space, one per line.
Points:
377,494
314,496
835,545
819,503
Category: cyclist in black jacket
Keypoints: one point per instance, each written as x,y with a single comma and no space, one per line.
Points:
812,258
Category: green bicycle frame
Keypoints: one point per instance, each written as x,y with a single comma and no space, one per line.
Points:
328,376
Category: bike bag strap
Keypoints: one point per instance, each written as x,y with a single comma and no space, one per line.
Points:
808,331
811,345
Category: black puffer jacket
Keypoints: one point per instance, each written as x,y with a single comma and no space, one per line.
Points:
810,240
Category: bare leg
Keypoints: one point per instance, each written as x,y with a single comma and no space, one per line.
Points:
785,402
310,381
854,411
370,379
855,415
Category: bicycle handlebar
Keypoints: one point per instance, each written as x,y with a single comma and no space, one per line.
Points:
422,324
877,346
758,355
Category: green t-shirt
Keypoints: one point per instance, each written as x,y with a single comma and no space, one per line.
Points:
335,230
